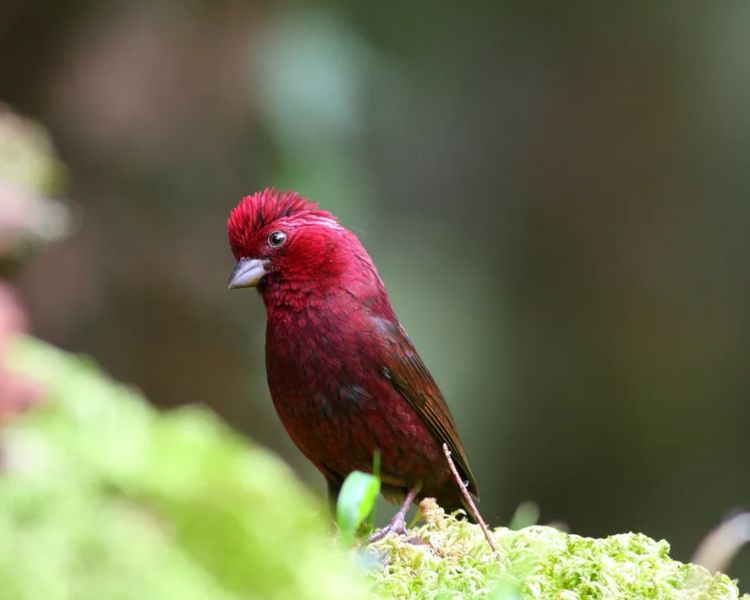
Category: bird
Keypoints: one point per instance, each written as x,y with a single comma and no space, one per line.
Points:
344,377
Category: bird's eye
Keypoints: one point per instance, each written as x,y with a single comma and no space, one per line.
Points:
277,238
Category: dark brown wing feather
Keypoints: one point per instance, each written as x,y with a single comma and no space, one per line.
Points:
408,374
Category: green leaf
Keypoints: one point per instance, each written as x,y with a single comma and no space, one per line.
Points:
526,514
356,501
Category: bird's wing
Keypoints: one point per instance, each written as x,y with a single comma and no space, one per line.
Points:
403,367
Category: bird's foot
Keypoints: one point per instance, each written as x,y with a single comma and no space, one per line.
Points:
397,526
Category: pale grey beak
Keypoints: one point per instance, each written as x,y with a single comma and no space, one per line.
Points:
247,273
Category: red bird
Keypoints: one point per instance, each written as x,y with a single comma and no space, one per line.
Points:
345,378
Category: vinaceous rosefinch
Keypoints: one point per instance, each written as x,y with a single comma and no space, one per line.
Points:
345,378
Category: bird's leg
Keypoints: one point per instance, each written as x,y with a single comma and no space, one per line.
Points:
334,487
397,524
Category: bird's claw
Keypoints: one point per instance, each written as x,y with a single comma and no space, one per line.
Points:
396,527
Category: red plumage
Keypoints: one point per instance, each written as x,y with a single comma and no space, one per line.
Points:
344,377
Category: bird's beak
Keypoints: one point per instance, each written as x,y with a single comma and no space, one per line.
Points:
247,273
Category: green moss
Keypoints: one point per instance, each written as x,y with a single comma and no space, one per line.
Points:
454,560
101,496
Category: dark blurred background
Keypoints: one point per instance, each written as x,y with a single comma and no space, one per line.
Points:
557,195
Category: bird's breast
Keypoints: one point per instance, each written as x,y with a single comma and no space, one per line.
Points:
314,353
329,390
319,388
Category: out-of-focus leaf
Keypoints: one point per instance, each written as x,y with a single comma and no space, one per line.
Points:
356,501
30,177
526,514
506,590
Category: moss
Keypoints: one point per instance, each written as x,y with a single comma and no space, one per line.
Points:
453,560
101,496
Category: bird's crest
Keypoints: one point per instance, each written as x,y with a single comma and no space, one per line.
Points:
254,212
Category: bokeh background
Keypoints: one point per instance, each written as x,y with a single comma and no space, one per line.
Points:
557,195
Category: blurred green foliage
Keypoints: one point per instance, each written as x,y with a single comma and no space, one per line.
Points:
30,176
27,157
102,497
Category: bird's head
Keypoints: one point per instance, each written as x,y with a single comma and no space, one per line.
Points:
284,240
